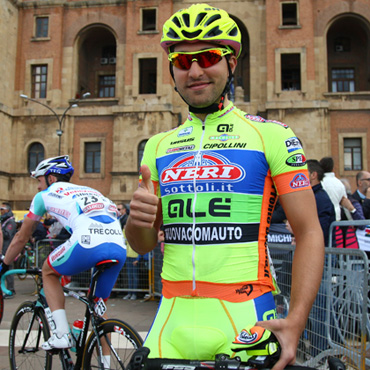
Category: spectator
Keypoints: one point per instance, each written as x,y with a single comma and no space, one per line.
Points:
362,194
326,213
124,211
325,207
345,236
332,185
39,233
9,229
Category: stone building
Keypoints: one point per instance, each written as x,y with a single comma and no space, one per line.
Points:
95,84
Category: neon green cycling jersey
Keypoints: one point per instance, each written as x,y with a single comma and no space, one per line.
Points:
218,181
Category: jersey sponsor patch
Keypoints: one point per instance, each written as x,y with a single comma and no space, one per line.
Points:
181,149
211,233
204,167
296,160
224,137
299,181
293,144
185,131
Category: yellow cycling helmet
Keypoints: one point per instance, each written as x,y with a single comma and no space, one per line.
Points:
201,22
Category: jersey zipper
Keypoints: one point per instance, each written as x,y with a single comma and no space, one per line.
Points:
198,162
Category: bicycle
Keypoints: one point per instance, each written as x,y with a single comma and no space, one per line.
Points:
29,329
140,361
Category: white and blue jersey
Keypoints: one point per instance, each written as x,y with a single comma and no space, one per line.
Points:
96,233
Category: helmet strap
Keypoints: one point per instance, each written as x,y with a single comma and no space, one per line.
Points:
214,107
47,180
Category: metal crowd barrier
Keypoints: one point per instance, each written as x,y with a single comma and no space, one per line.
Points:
338,324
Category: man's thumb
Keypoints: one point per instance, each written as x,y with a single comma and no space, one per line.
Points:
146,181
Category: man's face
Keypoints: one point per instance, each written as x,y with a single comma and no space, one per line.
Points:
201,87
121,209
41,183
3,209
364,182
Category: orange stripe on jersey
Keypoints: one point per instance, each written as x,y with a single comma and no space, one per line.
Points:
236,292
267,208
290,182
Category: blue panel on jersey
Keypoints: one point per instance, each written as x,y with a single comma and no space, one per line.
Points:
103,219
243,170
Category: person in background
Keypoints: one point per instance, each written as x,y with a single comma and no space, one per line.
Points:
123,210
325,207
132,270
9,229
362,193
345,236
334,187
326,213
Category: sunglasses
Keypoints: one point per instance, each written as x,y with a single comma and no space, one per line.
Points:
205,58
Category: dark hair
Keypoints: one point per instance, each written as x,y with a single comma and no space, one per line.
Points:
327,164
359,176
63,178
315,166
7,205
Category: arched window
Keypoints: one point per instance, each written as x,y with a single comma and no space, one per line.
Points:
140,152
36,154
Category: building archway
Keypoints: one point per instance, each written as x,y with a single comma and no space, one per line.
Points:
348,54
97,62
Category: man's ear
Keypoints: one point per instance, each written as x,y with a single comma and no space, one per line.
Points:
52,179
233,62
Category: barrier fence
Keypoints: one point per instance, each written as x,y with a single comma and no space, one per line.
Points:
339,322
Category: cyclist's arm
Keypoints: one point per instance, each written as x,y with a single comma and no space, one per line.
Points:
300,209
20,239
145,216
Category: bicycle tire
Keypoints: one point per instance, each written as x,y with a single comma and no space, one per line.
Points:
29,319
124,339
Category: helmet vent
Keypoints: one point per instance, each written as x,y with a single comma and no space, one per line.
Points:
213,19
191,35
172,34
185,18
176,21
200,18
234,32
213,33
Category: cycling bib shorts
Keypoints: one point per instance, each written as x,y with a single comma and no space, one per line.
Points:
200,328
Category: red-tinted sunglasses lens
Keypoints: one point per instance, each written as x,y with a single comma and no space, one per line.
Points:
205,59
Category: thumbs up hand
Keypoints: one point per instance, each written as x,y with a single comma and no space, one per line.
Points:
144,203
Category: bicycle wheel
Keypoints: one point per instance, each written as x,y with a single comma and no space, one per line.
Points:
122,339
29,329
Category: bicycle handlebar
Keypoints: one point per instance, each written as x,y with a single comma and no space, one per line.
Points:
34,271
140,361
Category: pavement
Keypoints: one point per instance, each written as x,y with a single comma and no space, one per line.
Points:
138,313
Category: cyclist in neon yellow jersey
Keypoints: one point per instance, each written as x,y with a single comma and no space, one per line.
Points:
213,182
